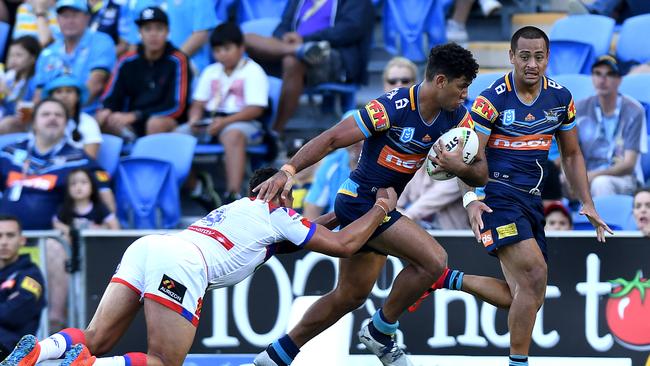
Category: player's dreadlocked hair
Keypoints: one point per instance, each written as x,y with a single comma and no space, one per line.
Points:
451,60
528,32
259,176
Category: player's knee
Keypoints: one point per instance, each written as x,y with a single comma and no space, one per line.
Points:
434,265
534,281
93,342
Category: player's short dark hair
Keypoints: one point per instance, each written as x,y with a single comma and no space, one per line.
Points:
451,60
225,33
10,217
528,32
259,176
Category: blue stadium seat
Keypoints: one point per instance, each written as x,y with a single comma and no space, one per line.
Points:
222,9
405,23
275,87
645,164
596,30
146,189
637,86
10,138
4,37
633,43
108,156
579,85
261,26
570,57
482,82
174,148
616,211
255,9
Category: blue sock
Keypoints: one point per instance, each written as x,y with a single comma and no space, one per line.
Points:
381,329
518,360
283,351
454,280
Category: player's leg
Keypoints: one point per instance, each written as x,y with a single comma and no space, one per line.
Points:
357,276
489,289
526,273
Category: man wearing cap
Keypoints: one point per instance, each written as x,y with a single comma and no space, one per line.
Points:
612,132
84,53
148,93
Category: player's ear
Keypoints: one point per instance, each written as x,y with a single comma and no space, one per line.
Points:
511,54
440,80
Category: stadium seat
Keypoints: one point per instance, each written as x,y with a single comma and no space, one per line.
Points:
144,188
637,86
109,152
4,37
261,26
616,211
579,85
645,164
570,57
633,43
405,23
174,148
596,30
223,9
255,9
10,138
482,82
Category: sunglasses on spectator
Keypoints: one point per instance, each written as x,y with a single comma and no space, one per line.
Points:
399,80
608,74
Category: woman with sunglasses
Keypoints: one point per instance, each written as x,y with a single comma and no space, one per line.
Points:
399,72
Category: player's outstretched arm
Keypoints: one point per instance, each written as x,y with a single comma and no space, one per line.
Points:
343,134
350,239
574,168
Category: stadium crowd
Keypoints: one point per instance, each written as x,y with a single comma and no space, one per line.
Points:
77,71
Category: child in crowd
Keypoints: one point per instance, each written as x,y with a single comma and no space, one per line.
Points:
557,217
82,207
641,210
229,100
82,129
18,83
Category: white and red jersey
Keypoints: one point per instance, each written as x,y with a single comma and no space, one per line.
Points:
236,239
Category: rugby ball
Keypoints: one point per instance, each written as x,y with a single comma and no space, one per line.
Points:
451,140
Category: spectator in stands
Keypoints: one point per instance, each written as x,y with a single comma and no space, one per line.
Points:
82,208
229,100
37,18
18,83
316,41
32,177
612,133
617,9
641,210
82,52
303,179
399,72
557,217
190,24
82,130
110,17
148,92
457,24
21,287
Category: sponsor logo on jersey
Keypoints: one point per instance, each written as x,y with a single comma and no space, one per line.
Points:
486,238
530,142
32,286
508,117
214,234
507,231
529,117
172,288
378,116
400,162
45,182
552,116
485,109
426,138
467,121
571,110
401,103
407,134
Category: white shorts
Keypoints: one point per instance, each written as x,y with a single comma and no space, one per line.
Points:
168,270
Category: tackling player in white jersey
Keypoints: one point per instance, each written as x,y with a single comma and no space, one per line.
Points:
169,275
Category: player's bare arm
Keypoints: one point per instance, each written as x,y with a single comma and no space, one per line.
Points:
573,165
350,239
343,134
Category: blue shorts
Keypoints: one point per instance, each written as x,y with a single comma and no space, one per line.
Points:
353,201
516,216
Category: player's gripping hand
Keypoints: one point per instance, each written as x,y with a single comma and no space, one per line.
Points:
387,197
282,180
590,211
448,161
475,212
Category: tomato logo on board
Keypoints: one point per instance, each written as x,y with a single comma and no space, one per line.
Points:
628,312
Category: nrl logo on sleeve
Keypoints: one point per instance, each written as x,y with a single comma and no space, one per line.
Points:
172,288
378,116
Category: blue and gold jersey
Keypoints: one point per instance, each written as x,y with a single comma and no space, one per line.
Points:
520,133
398,139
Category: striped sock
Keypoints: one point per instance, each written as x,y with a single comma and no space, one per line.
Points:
57,344
382,325
518,360
283,351
454,280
